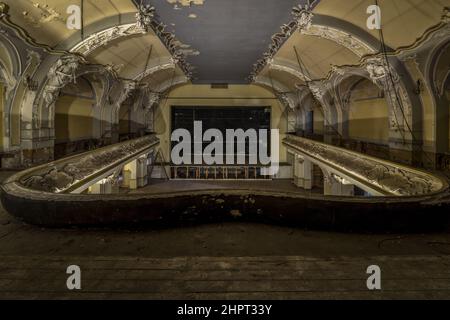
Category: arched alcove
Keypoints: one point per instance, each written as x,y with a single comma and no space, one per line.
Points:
74,117
318,120
368,113
313,118
125,125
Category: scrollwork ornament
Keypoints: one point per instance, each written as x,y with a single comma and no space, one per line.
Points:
303,17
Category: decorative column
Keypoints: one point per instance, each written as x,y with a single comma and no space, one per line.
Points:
38,131
128,89
319,90
302,172
402,137
153,101
136,175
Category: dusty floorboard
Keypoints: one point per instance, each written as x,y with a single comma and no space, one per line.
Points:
219,261
224,278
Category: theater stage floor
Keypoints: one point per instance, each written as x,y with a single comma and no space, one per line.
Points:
219,261
162,186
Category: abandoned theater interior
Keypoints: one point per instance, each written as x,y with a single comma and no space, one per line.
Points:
324,115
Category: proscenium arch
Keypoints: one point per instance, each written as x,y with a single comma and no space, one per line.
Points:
74,119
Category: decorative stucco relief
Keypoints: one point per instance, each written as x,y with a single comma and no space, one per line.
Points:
60,74
303,22
104,37
272,64
358,47
128,88
64,174
10,83
303,16
318,89
145,16
390,178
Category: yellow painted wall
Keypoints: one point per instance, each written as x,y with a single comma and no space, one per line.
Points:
73,118
448,101
15,116
428,112
318,120
124,120
2,105
369,120
203,95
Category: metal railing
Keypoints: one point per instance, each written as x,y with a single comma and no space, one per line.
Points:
217,173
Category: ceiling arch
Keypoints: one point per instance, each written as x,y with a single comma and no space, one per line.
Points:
416,16
46,22
331,36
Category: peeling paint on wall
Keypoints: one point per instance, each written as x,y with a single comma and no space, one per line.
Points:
187,49
45,14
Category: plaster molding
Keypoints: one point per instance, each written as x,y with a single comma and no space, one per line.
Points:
318,89
144,17
384,177
149,71
104,37
275,65
60,74
303,17
345,39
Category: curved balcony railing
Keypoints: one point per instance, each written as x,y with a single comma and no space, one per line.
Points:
49,195
73,174
384,177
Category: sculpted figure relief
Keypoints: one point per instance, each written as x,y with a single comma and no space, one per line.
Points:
62,73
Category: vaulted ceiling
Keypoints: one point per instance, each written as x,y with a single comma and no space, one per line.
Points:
403,22
45,20
222,39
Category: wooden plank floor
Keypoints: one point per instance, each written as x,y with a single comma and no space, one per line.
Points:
219,261
419,277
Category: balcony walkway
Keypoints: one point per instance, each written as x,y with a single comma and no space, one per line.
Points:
406,199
